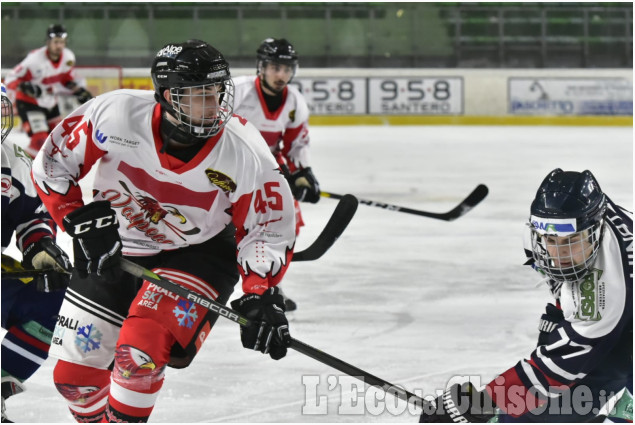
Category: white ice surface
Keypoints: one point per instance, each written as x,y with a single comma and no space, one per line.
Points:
409,299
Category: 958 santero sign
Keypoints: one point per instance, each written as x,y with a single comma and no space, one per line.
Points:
383,96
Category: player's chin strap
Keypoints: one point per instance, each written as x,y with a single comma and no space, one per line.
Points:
171,131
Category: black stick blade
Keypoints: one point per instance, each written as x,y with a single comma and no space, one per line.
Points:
343,214
472,200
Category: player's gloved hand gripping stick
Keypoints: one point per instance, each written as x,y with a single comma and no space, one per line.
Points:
96,242
234,316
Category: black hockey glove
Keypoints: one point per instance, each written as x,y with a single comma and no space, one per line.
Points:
83,95
30,89
460,403
304,185
548,322
96,242
269,332
46,254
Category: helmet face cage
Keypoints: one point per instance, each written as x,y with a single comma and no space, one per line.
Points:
566,256
7,114
203,110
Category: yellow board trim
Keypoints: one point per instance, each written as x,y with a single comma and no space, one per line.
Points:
582,120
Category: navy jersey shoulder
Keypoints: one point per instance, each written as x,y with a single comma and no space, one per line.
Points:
22,210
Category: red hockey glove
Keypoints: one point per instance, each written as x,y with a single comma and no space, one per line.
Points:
269,331
96,242
460,403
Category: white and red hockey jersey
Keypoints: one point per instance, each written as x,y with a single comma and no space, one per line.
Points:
50,76
163,203
285,130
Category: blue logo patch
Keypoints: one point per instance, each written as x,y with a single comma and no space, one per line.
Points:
554,227
101,137
88,338
185,313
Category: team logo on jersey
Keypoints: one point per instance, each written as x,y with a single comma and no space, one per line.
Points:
6,184
151,212
591,299
69,63
292,115
221,180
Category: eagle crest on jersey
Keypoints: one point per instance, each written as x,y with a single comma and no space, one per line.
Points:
221,180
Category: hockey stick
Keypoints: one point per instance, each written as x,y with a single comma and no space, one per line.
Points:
226,312
12,269
477,195
342,215
25,274
344,212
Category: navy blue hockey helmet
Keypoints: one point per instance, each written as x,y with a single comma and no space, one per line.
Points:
195,73
566,222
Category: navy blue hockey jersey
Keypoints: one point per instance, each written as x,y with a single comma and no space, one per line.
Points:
22,209
594,340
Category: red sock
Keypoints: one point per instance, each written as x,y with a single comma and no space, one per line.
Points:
84,388
143,351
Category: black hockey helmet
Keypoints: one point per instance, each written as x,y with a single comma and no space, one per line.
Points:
569,205
277,50
7,114
190,70
56,30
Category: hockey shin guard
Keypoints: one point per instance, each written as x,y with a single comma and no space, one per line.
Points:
84,388
143,351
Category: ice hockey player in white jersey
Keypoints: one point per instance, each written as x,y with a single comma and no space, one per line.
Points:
30,305
582,242
184,188
281,114
37,81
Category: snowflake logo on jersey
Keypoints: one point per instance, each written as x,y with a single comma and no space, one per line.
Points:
88,338
185,313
